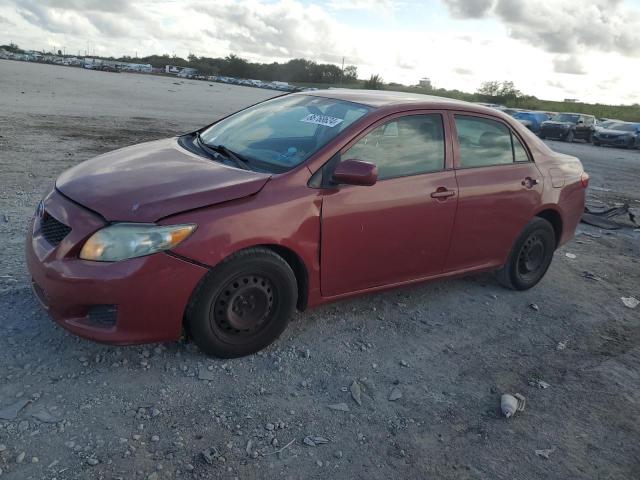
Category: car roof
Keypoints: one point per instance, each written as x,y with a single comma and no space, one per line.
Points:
387,98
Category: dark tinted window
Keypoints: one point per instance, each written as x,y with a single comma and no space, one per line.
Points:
485,142
404,146
519,152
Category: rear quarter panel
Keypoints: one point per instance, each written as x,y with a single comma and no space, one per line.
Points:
563,190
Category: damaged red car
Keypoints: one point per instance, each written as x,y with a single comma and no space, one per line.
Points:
291,203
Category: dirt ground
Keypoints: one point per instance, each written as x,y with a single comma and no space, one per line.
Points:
449,348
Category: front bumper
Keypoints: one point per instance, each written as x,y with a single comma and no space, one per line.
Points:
552,132
140,300
614,142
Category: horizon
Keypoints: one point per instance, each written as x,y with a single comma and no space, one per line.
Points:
550,51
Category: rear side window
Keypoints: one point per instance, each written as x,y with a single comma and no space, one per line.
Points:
404,146
485,142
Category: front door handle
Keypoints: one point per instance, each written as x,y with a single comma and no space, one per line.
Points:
529,182
443,193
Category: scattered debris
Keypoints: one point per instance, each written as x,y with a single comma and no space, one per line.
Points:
282,449
510,404
395,394
341,407
629,302
313,441
570,255
591,276
545,453
562,345
11,412
210,455
539,383
534,306
600,215
356,392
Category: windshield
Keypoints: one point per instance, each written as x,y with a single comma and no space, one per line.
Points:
285,131
623,127
566,117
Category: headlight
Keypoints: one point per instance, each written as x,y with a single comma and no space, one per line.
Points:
129,240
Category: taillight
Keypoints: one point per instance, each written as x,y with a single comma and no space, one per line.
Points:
584,179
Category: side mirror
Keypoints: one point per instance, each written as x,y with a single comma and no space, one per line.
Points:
580,122
355,172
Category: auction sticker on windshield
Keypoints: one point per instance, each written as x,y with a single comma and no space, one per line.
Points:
324,120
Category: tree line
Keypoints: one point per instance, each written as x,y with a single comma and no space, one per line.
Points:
295,70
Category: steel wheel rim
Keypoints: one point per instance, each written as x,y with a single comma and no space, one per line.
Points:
532,256
244,307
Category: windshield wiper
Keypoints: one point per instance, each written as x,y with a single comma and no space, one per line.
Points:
216,150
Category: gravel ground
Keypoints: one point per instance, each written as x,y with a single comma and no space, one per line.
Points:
403,384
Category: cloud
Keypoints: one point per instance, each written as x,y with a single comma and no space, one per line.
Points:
561,27
414,40
568,64
281,30
379,6
469,8
556,84
462,71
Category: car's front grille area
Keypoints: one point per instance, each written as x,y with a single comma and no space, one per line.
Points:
52,230
102,316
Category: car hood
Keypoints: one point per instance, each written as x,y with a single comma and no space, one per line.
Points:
149,181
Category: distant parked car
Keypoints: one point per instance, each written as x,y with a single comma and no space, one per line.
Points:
605,123
530,119
618,134
568,127
295,202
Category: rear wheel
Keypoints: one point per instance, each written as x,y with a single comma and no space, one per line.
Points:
243,305
596,143
530,257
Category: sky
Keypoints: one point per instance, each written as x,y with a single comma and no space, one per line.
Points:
553,49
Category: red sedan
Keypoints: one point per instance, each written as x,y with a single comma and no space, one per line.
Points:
291,203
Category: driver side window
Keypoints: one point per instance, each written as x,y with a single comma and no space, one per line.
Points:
404,146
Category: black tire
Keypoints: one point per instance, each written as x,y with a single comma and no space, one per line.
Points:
596,143
590,137
570,136
530,256
243,304
542,135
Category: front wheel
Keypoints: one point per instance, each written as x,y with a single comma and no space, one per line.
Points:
243,304
570,136
530,256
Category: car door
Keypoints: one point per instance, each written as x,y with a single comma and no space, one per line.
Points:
399,228
499,190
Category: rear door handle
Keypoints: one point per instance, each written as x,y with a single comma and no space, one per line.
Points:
529,182
443,193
